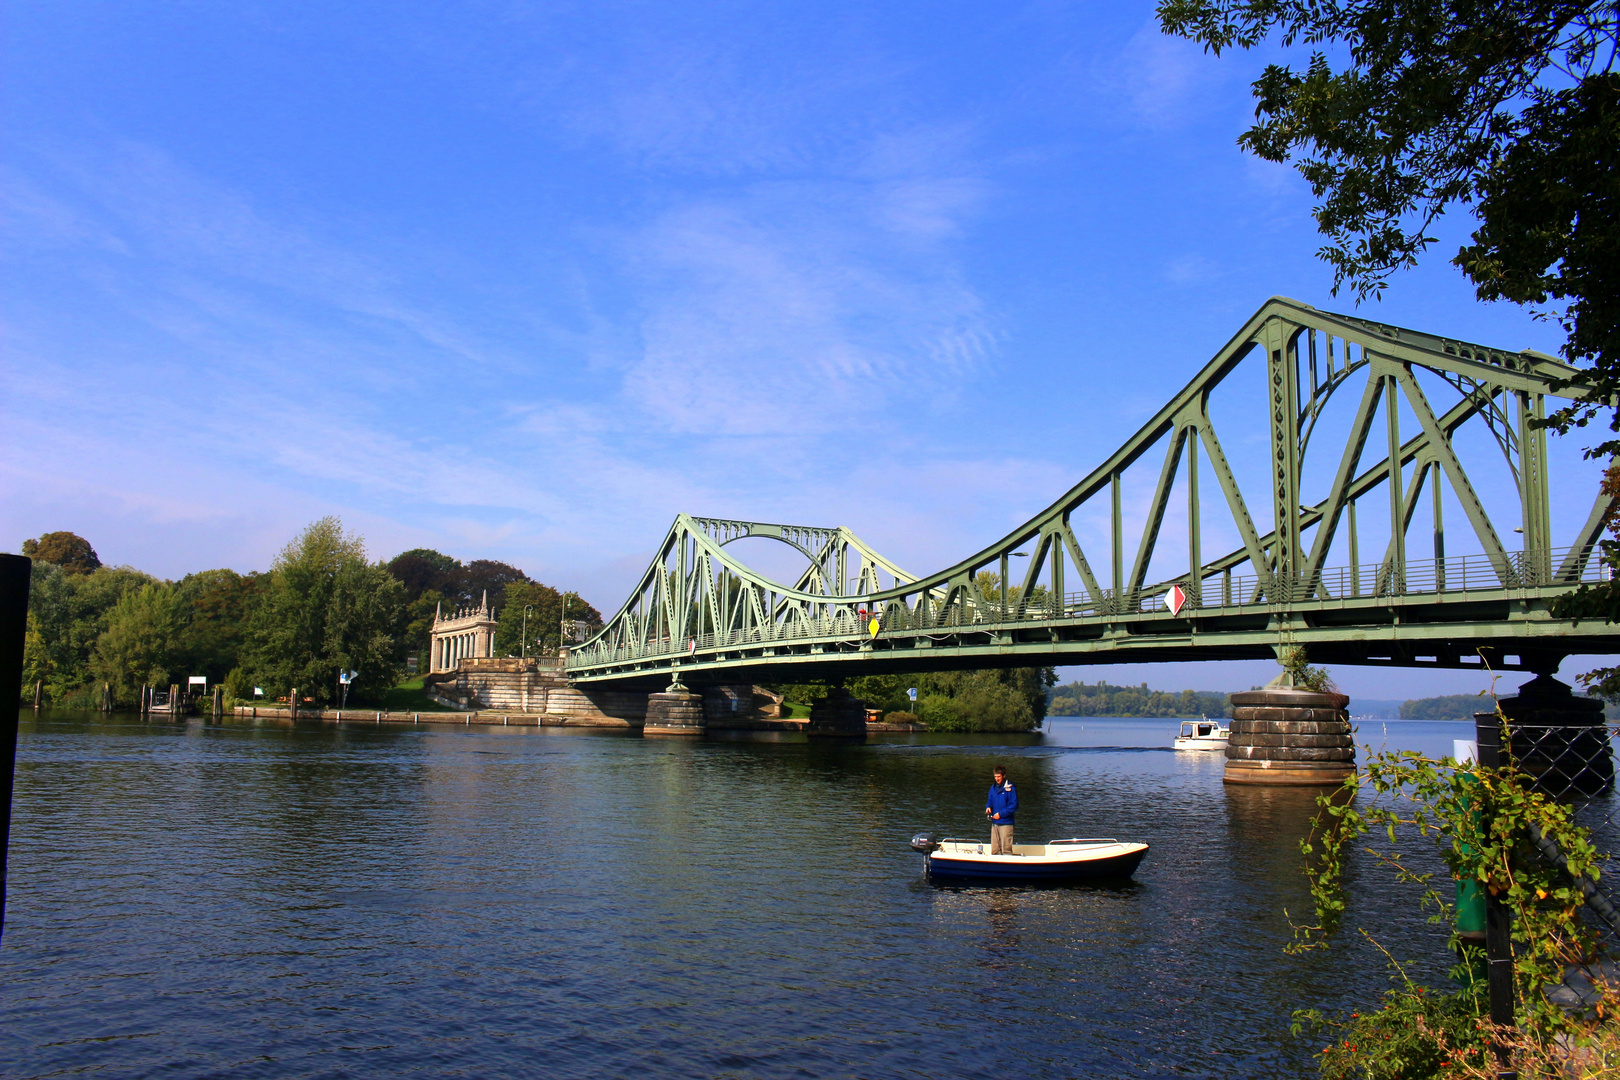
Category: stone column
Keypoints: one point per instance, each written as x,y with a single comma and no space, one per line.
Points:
1284,735
1559,738
837,716
676,711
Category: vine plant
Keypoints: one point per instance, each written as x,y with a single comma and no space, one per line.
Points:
1480,820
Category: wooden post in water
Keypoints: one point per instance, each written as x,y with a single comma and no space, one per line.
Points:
219,701
292,704
174,701
39,695
15,571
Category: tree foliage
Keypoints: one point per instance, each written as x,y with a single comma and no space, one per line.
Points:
1480,822
142,641
70,551
546,609
326,609
1105,699
321,607
988,699
1510,106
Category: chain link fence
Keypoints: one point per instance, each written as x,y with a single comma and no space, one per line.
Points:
1566,745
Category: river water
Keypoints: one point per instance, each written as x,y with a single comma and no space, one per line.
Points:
260,900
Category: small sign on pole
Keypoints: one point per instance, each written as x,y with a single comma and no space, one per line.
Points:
1178,599
912,693
197,680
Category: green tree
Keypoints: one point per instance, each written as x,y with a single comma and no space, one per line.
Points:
218,604
70,551
486,579
545,614
69,613
325,609
986,699
141,642
1510,106
1105,699
423,570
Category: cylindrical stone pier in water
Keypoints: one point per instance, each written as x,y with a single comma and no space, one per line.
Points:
1560,739
675,711
837,716
1290,737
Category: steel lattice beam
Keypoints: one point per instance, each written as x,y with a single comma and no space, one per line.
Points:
700,611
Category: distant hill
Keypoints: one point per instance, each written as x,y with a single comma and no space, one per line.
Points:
1462,707
1106,699
1446,707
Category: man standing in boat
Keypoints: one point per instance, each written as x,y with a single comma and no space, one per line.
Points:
1000,806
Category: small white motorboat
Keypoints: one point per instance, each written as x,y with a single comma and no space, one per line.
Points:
953,859
1203,734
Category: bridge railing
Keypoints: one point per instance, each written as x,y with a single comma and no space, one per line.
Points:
1553,570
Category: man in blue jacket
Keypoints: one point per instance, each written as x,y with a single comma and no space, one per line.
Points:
1000,807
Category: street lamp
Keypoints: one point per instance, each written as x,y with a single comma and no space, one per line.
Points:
562,628
525,650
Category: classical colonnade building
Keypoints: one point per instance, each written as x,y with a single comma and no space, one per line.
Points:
468,632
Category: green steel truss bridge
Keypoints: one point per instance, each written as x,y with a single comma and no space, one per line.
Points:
1356,395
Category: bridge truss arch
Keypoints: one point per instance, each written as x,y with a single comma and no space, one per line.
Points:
1328,380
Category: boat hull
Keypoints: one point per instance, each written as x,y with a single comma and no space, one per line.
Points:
1116,866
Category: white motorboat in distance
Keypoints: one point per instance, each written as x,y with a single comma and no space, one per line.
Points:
953,859
1203,734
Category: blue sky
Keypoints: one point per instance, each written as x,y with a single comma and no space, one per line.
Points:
522,281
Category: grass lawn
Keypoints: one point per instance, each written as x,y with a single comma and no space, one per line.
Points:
408,697
792,710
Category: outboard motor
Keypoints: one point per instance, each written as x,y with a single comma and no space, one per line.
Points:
925,842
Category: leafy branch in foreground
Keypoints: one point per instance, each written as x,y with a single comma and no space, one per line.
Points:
1480,822
1403,111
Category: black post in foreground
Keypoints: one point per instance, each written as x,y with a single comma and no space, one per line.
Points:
1498,924
15,571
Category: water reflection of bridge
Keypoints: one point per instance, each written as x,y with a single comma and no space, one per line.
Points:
1454,428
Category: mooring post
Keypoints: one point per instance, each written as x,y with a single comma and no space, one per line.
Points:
39,695
15,572
219,701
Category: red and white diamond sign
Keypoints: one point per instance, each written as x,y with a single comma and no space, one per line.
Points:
1178,599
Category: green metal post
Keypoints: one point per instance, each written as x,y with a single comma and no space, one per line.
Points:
1119,547
1195,556
1281,342
1397,518
1439,534
1355,553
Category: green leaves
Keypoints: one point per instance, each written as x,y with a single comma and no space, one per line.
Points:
1481,822
325,608
1509,105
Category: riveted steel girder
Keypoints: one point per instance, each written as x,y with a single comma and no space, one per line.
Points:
701,612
